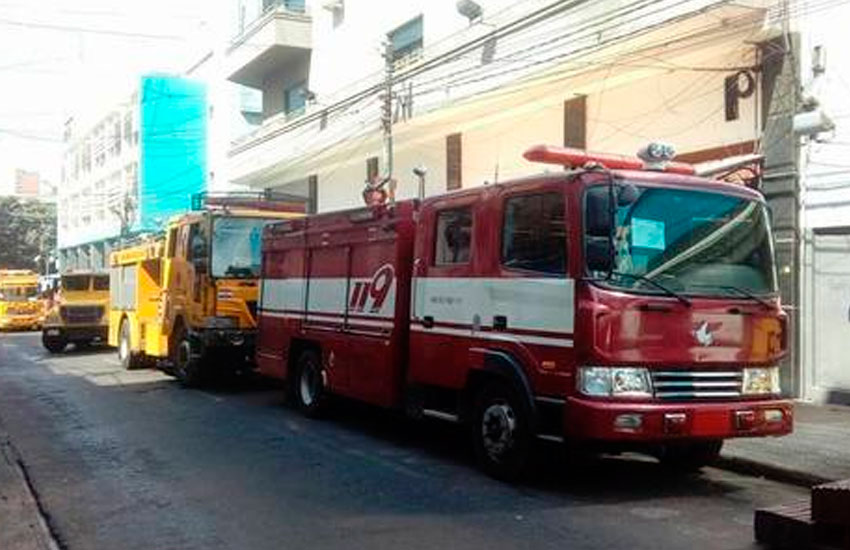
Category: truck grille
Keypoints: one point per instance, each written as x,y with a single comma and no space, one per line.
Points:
81,314
672,384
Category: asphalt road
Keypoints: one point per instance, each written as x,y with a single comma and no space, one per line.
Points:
128,460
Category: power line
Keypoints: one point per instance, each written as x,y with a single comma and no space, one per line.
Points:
89,30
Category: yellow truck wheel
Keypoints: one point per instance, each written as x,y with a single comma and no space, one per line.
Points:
53,344
129,360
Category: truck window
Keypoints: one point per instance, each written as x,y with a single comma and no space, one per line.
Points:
75,283
197,243
172,242
101,282
454,236
534,233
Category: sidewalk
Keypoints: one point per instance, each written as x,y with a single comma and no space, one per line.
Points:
817,451
21,523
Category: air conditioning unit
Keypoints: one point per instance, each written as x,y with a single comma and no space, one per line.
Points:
333,5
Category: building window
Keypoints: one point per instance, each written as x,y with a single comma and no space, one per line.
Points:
534,234
454,236
372,168
406,40
290,5
295,99
454,162
128,129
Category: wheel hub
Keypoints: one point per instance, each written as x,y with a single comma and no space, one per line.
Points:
123,348
498,425
310,385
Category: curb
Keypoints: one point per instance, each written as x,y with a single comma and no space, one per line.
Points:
33,525
769,471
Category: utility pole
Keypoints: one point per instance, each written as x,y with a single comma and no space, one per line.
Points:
387,108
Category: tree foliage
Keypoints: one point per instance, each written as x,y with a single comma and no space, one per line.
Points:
27,230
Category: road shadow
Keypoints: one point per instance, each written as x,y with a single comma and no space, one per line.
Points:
555,471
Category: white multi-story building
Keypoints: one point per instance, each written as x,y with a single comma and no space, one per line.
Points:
470,94
126,170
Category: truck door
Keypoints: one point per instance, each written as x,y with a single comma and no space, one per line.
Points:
198,264
444,315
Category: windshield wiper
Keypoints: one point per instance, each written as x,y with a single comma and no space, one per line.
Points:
742,292
654,283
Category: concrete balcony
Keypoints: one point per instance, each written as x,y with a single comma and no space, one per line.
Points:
280,36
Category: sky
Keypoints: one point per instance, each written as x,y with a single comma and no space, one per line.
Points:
60,58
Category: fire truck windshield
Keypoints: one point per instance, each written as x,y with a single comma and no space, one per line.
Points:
687,241
236,246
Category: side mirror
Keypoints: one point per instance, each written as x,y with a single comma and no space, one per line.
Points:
598,254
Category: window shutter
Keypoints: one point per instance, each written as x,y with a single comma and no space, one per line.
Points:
575,122
454,161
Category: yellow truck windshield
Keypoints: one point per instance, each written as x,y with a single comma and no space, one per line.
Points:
236,246
18,293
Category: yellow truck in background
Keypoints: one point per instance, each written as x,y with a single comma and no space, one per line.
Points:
20,306
79,313
187,299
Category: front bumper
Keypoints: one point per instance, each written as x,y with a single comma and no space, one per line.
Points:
14,322
77,334
608,421
239,340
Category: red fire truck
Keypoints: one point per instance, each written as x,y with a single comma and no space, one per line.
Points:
619,304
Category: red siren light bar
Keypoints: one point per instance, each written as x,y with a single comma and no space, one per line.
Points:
655,157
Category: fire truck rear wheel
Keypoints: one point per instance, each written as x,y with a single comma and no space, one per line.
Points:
690,457
500,432
310,388
129,360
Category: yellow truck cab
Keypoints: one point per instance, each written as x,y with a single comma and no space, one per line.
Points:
78,314
189,296
20,307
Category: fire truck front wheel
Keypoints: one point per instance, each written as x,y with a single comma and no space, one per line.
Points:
128,359
310,388
501,432
186,361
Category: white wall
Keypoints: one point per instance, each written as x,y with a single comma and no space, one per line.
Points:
655,86
826,161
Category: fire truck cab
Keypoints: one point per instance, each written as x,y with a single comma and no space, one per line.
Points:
189,296
619,304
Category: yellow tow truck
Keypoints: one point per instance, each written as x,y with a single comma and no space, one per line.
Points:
187,299
79,313
20,307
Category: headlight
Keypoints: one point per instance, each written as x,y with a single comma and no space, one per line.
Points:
615,382
761,381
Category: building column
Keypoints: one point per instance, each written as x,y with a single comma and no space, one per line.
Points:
781,184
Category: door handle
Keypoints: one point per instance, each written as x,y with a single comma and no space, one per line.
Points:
428,322
500,322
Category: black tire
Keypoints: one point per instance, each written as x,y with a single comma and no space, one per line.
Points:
690,457
501,434
309,385
53,344
128,359
186,365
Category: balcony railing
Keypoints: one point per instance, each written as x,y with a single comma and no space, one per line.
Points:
291,6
